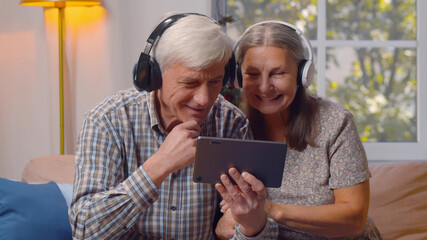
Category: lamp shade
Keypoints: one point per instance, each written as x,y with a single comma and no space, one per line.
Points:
59,3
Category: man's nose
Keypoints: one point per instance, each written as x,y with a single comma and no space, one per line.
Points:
201,97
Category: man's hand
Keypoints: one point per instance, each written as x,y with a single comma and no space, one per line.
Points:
246,200
179,147
176,152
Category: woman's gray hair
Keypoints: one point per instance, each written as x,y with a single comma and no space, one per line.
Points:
194,40
272,34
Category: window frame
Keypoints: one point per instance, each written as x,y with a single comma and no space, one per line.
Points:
379,151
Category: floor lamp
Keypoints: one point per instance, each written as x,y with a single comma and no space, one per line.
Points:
60,5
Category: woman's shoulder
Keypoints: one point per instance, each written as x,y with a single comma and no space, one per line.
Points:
332,115
330,109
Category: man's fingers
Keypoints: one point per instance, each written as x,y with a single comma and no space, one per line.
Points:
222,191
233,194
225,208
192,127
242,185
256,185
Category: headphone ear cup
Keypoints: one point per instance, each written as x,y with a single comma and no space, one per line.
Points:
140,72
300,79
155,78
230,70
305,73
135,74
308,74
239,75
146,74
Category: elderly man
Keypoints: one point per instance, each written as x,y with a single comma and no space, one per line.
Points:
134,160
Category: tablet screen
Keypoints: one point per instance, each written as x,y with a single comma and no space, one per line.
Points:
263,159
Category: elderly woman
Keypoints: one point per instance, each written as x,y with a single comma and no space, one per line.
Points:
325,187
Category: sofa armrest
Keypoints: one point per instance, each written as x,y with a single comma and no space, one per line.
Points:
398,202
57,168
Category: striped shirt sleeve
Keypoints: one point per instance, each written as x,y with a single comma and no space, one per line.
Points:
270,231
101,209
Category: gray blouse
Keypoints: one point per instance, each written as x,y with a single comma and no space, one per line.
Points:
310,176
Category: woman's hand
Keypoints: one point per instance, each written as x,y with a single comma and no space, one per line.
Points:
268,207
245,201
226,224
347,216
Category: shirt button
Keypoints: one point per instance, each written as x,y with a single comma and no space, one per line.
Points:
173,208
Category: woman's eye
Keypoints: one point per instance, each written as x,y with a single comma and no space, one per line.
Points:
277,74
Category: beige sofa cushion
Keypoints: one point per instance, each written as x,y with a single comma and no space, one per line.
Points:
398,202
57,168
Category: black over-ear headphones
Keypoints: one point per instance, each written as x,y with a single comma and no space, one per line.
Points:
146,72
305,67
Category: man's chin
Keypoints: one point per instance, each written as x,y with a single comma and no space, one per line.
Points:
199,120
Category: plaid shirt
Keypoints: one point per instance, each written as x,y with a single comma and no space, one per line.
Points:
113,196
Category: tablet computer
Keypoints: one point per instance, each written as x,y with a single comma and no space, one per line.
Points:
263,159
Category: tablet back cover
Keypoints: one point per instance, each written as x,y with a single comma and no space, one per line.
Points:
263,159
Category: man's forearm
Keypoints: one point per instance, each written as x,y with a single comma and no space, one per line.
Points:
102,218
110,214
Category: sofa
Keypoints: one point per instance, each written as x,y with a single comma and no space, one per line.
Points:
398,201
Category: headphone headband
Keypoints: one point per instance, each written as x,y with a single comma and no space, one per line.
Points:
161,28
146,72
297,30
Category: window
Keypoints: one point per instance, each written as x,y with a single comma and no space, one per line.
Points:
368,55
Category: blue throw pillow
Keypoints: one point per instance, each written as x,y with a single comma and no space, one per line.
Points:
67,191
32,211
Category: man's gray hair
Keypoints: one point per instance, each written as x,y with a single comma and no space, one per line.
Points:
194,40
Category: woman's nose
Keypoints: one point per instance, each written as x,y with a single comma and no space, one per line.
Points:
265,84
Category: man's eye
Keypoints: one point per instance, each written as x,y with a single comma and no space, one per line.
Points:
190,84
252,74
215,82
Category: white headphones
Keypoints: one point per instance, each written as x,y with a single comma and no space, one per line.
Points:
305,68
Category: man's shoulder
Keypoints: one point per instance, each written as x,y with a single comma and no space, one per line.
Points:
122,99
226,120
222,106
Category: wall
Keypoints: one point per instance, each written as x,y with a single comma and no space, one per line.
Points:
101,46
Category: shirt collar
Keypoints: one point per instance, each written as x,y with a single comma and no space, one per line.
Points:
154,116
